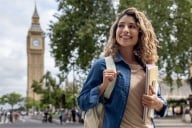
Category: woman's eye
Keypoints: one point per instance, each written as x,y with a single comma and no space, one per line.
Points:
132,26
120,25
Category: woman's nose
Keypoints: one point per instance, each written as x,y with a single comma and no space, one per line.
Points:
126,28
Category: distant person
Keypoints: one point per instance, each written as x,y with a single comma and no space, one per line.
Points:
50,117
61,116
132,43
190,112
45,116
73,113
4,116
11,116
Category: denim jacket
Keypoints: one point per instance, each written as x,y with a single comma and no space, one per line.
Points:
115,106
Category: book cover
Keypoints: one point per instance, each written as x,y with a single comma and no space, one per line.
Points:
151,79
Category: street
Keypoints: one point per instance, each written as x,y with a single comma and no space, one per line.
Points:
31,123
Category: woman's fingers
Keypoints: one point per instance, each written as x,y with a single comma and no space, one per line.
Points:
147,100
109,74
150,101
151,90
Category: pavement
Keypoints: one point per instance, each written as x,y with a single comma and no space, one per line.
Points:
167,122
170,122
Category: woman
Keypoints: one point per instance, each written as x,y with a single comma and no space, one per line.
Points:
133,44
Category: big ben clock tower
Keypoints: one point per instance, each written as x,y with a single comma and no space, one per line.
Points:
35,54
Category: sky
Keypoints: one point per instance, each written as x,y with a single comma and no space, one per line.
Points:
15,21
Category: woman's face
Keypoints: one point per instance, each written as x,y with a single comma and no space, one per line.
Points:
127,32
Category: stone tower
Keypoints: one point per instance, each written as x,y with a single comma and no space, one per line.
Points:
35,54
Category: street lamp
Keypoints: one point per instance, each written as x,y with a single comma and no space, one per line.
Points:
73,91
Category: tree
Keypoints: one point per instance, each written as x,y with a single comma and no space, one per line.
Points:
71,91
12,99
80,32
30,103
171,20
52,93
49,89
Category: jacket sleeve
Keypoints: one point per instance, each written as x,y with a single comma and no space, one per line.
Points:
89,95
163,111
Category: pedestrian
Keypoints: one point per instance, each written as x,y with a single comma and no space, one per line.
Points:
11,118
132,43
61,116
7,116
50,116
73,114
190,112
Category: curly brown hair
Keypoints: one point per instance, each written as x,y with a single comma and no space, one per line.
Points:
146,47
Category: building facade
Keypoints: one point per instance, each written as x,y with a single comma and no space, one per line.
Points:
35,54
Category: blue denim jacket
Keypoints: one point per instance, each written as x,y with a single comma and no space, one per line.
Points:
115,106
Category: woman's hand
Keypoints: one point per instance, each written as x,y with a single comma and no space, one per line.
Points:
152,101
108,76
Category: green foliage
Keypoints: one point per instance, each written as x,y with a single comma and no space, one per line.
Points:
37,87
52,93
80,32
172,21
71,91
30,103
48,88
81,28
11,98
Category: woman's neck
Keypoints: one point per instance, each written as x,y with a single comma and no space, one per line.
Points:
128,56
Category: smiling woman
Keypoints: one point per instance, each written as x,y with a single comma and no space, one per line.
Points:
127,33
132,44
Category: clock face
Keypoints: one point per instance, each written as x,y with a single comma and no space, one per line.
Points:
36,43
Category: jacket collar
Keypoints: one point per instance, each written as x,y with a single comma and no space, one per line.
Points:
119,57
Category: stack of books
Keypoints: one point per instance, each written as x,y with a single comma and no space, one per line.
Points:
151,79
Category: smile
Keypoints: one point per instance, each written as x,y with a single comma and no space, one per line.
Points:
126,37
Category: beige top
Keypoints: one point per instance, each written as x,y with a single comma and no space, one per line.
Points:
133,115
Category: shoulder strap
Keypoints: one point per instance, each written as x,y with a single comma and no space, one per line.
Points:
110,65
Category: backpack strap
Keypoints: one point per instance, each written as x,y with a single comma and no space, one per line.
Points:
109,65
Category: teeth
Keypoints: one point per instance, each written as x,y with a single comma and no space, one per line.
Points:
126,37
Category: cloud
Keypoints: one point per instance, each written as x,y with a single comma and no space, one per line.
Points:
15,21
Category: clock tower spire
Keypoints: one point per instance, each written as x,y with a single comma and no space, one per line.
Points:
35,25
35,54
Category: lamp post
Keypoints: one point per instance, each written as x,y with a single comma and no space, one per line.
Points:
73,91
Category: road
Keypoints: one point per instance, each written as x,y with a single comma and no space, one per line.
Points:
31,123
